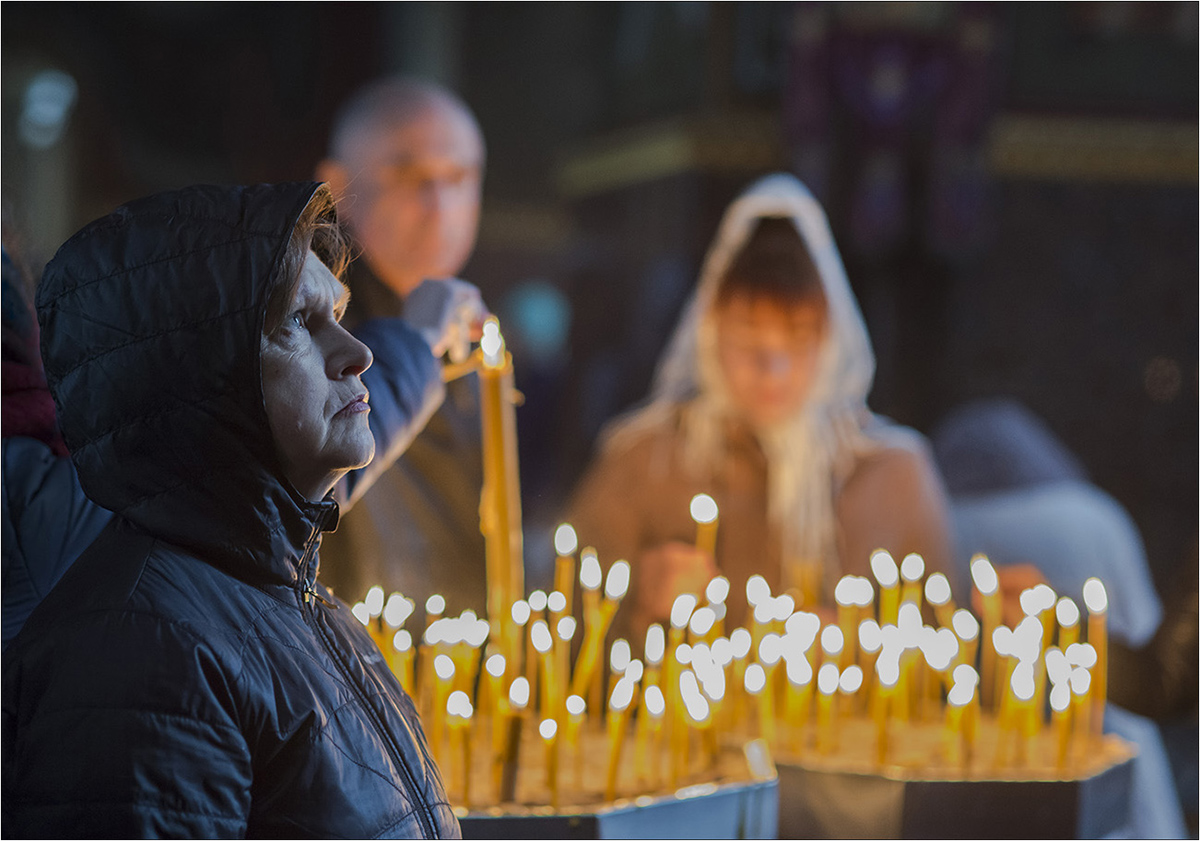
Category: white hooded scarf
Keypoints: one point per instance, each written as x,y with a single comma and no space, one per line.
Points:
812,453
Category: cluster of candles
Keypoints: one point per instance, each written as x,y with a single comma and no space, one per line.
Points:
696,686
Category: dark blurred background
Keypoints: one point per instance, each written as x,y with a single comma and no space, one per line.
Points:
1014,187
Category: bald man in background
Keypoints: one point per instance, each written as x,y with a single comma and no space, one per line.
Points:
406,166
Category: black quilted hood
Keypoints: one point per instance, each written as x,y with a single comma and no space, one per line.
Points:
151,321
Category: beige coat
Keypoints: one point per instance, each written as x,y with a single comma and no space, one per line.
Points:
635,496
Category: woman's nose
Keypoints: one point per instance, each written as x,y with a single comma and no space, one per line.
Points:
774,363
350,357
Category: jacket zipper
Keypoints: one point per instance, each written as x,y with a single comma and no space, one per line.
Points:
308,590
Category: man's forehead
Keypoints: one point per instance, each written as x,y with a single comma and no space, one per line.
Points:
434,137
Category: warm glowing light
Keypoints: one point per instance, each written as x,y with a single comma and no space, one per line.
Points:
491,343
851,680
965,625
741,641
783,607
556,602
846,591
908,620
518,693
912,567
374,600
770,649
619,655
681,610
799,670
722,651
1031,602
397,610
870,637
1023,683
622,695
1081,654
656,644
655,703
1027,638
635,670
576,705
538,600
1057,666
521,611
702,621
496,665
1060,696
443,666
965,674
361,613
566,628
764,612
888,670
683,654
984,575
756,678
1095,596
402,641
866,591
539,635
757,590
617,582
459,704
703,508
804,627
883,567
1046,596
960,694
1081,681
937,589
827,679
1002,641
1067,612
565,540
941,649
717,590
548,729
476,632
590,575
832,640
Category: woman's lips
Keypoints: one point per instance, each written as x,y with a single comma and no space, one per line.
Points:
357,405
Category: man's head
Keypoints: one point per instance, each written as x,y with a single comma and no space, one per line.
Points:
405,165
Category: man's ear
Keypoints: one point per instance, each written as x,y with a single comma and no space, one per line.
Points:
335,175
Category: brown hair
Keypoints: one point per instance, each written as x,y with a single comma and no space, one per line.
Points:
773,264
317,229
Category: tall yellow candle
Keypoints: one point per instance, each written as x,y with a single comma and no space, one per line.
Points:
576,710
615,587
883,567
656,646
458,713
618,704
983,574
564,632
756,685
500,499
565,544
518,701
716,593
703,509
966,628
548,730
845,595
1060,706
402,660
649,729
887,678
543,643
827,686
443,667
799,698
1096,599
957,703
833,644
1081,709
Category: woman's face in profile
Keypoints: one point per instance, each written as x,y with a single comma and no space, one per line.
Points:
769,353
315,399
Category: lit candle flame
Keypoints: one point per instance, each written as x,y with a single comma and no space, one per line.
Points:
984,575
361,613
827,679
741,641
703,508
804,626
965,674
656,644
832,640
799,671
681,610
521,612
1060,696
870,637
496,665
565,540
566,628
937,589
965,625
619,655
435,605
576,705
1067,612
622,695
443,666
374,600
755,679
846,591
1095,596
617,582
556,602
656,705
770,649
883,567
548,729
397,610
538,600
402,641
492,343
960,694
1081,654
590,575
459,704
702,621
539,635
850,680
717,590
1081,681
518,693
757,590
1057,666
912,567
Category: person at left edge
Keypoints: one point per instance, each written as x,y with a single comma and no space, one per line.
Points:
189,676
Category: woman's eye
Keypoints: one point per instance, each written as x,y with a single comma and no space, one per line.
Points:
296,319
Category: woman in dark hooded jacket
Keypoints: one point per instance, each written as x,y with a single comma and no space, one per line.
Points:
189,676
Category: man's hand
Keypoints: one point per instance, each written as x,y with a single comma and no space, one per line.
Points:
669,570
448,314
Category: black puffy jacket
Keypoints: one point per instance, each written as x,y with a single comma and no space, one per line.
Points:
189,676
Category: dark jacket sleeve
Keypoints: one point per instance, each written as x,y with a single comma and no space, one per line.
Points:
48,522
405,383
